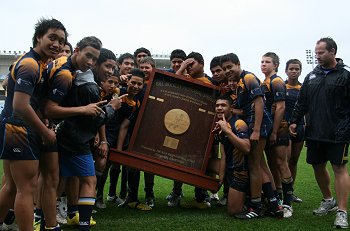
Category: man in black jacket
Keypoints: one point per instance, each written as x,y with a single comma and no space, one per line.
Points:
325,100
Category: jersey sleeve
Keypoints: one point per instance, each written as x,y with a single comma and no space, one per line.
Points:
278,89
27,74
253,86
242,129
60,85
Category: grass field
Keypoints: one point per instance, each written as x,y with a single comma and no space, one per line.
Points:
215,218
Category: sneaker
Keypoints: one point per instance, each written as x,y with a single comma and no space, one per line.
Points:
277,212
74,221
287,211
12,227
168,198
326,207
150,201
111,198
296,199
57,228
222,201
214,197
341,220
100,204
195,204
118,200
62,208
250,213
174,199
36,225
59,218
139,206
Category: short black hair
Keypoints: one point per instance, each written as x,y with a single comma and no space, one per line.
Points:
142,49
91,41
226,97
215,62
70,47
330,44
178,53
230,57
104,55
196,56
137,72
125,56
293,61
43,25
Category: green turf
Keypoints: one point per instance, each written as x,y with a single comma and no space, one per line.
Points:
214,218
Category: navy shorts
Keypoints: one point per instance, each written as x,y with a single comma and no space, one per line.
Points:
76,165
282,136
18,142
320,152
265,129
300,134
240,181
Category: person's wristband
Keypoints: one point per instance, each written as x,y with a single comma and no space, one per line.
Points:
104,142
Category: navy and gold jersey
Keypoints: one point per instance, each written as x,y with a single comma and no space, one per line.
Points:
275,90
248,88
291,98
126,111
236,160
60,79
25,77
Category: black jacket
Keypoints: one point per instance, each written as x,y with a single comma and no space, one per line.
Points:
325,99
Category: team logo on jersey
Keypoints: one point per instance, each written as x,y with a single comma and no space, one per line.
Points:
19,81
56,91
312,76
17,150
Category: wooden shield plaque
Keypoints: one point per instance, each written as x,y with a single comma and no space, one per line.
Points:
172,136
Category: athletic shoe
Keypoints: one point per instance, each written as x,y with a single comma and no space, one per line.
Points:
36,225
214,197
111,198
287,211
12,227
139,206
341,220
118,200
168,198
277,212
100,204
195,204
326,207
57,228
250,213
296,199
74,221
174,199
222,201
60,219
150,201
62,207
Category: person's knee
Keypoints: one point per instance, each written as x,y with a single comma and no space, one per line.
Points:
88,181
51,179
319,167
340,169
10,189
293,161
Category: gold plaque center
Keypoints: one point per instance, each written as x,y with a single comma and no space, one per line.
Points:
177,121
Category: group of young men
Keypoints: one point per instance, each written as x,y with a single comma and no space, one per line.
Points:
65,109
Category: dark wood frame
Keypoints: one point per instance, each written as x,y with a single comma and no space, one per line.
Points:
165,168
